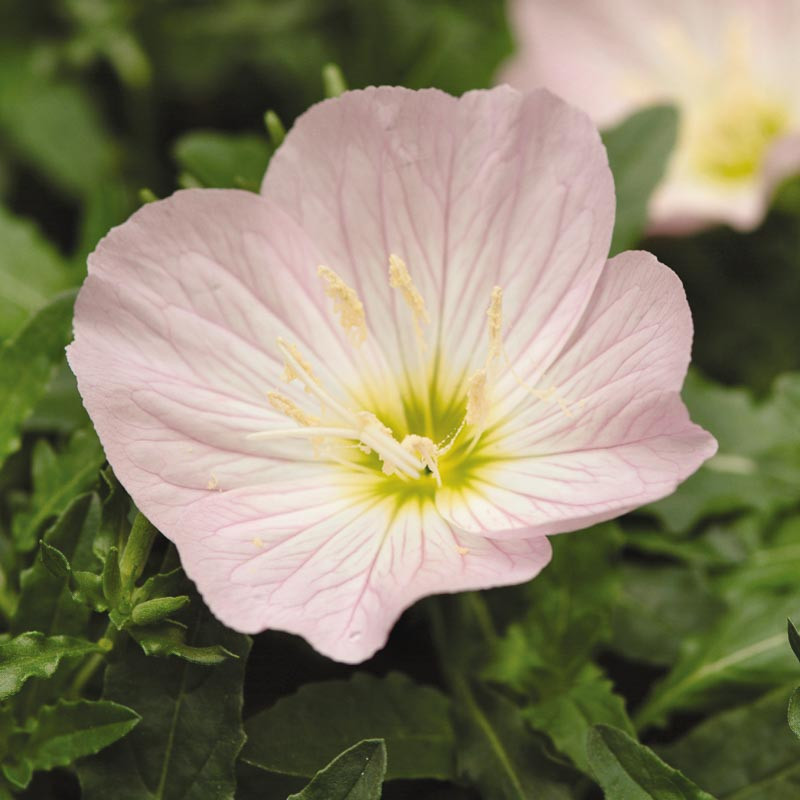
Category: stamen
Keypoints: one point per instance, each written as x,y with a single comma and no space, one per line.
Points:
346,304
288,407
290,372
495,314
477,400
399,278
427,451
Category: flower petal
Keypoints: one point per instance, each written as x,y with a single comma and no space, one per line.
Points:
175,345
313,558
618,434
494,188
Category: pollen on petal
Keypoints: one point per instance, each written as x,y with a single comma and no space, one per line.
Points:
288,407
346,304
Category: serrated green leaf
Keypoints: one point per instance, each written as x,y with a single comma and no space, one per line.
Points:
46,603
31,272
746,651
26,364
309,728
223,160
638,151
569,614
497,753
356,774
566,717
34,655
627,770
747,753
758,463
186,745
57,478
68,730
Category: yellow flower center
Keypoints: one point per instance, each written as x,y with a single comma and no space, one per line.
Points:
432,430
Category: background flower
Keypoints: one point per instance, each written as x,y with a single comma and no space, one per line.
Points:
728,66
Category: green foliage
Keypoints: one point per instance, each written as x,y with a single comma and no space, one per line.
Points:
190,731
219,160
356,774
64,732
34,655
26,366
638,151
57,479
758,463
307,729
628,770
31,272
747,753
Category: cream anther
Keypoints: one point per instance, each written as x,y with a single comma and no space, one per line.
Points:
294,358
495,314
477,399
427,451
346,304
399,278
288,407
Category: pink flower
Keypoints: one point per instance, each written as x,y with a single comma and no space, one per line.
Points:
395,371
730,66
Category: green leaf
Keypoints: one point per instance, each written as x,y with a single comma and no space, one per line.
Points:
638,151
57,478
54,561
68,730
46,603
34,655
628,770
31,272
186,744
52,123
793,714
357,774
758,463
566,717
745,652
747,753
569,614
168,639
659,607
497,753
26,365
309,728
794,638
223,160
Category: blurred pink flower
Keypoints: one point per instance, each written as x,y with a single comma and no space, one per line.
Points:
730,67
393,372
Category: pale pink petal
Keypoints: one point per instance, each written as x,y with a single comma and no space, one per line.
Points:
620,435
317,559
175,345
494,188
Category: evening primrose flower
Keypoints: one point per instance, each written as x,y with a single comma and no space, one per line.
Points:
730,67
393,372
